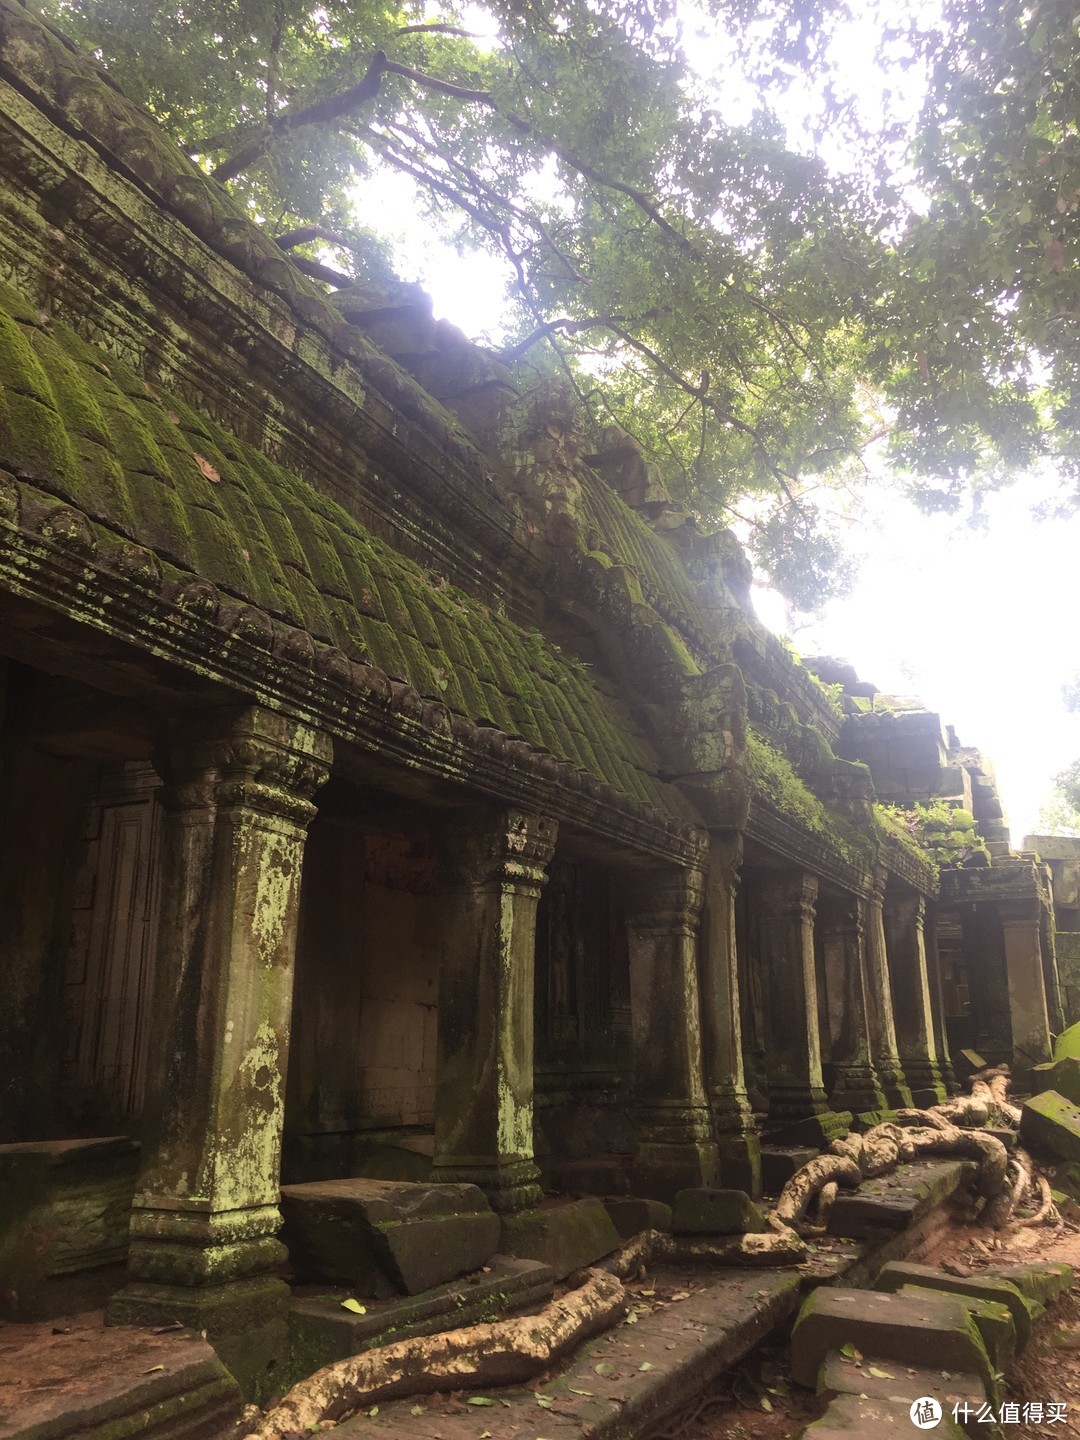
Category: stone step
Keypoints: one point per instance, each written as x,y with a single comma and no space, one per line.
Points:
902,1385
993,1320
894,1202
322,1330
566,1237
921,1329
982,1287
108,1383
648,1370
851,1417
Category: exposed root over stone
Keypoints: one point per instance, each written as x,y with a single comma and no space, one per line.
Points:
1005,1183
506,1352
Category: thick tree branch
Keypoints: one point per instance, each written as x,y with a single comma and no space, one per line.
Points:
289,239
325,273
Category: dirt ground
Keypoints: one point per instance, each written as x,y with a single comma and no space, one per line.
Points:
758,1402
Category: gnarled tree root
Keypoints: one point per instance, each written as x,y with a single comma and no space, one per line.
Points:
506,1352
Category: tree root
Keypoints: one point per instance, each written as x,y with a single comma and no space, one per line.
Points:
504,1353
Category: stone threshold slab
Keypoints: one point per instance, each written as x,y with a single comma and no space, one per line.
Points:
323,1331
683,1346
102,1382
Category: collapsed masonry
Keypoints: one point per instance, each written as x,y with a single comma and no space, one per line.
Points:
394,783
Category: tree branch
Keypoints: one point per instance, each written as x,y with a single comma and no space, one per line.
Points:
568,327
289,239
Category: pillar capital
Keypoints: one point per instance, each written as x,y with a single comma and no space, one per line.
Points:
666,900
247,757
792,892
482,848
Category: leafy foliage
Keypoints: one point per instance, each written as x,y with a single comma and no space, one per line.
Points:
755,316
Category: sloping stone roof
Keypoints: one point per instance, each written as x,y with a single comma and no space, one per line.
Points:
141,466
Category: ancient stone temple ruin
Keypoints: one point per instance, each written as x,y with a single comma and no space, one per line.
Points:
395,784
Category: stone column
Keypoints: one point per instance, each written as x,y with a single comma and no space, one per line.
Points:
721,1022
675,1148
788,901
879,1007
855,1084
905,943
495,869
238,796
937,1001
1028,1011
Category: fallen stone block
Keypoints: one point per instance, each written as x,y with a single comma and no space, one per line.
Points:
876,1379
65,1206
1067,1043
993,1320
565,1237
705,1211
1061,1075
779,1164
1042,1281
898,1273
630,1215
1051,1123
930,1330
378,1236
853,1417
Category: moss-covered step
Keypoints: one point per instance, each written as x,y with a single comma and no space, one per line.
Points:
980,1287
1061,1075
1042,1281
993,1320
924,1329
566,1237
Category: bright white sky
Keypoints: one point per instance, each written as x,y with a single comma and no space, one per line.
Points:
981,624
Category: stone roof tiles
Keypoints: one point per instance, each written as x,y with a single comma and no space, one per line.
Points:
86,430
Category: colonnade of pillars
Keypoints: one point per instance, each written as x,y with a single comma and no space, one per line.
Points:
238,797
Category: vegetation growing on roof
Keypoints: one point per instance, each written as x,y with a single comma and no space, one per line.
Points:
943,832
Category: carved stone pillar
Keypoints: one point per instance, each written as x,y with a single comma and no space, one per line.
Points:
495,869
675,1147
854,1083
238,797
1028,1010
721,1024
789,984
905,943
884,1052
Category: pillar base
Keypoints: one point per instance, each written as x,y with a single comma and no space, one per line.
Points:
788,1103
246,1321
813,1130
661,1170
510,1185
927,1083
856,1088
894,1086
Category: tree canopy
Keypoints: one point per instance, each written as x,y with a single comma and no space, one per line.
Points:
758,297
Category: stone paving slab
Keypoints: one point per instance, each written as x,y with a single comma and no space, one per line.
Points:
851,1417
107,1383
901,1384
649,1368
